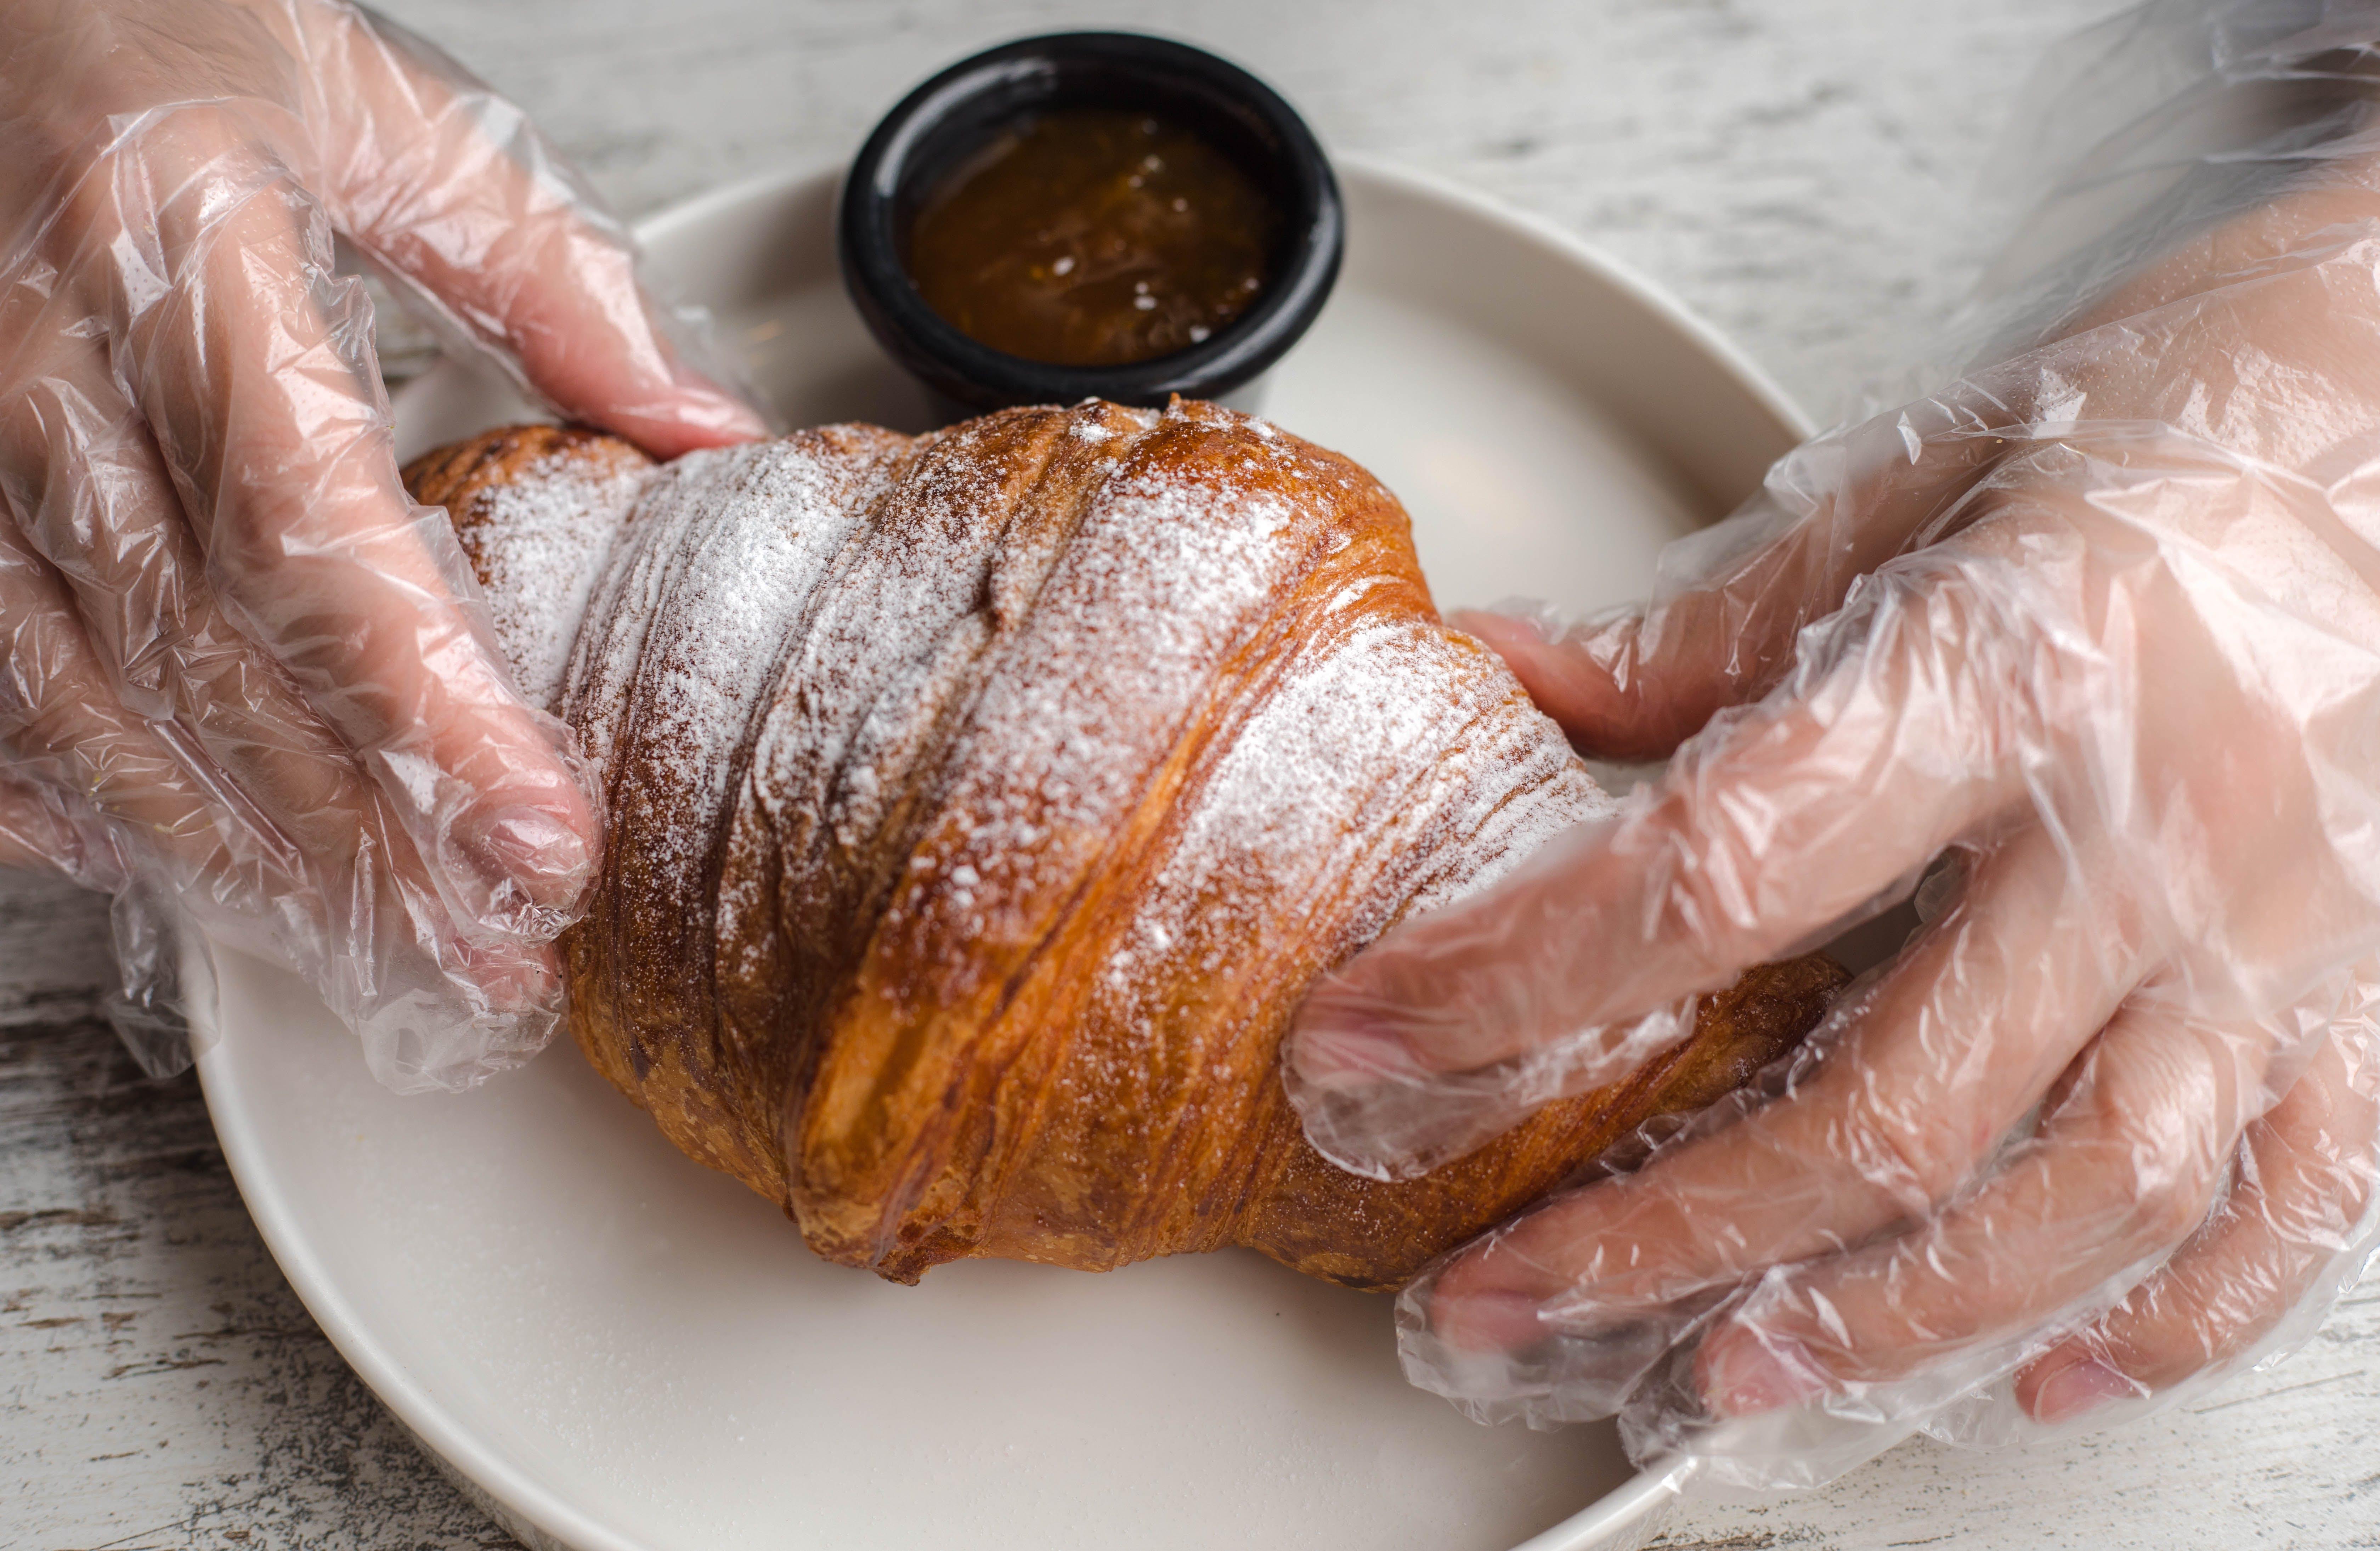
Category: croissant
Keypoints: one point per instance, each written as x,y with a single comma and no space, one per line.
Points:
982,804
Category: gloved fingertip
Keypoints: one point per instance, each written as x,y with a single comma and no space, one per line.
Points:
1341,1049
696,414
1486,1319
535,865
1570,678
2080,1384
538,848
717,417
1746,1372
1498,627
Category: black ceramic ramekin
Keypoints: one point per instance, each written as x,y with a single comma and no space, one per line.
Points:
956,111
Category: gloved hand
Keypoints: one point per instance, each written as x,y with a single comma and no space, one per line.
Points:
242,673
2101,620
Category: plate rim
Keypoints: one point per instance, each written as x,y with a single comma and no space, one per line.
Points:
1529,227
534,1510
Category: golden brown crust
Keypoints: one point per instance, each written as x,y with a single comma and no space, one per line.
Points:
708,1018
536,508
960,902
463,476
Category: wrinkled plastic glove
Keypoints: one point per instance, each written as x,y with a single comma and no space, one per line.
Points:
246,682
2098,625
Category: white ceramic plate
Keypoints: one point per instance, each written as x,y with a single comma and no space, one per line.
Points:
614,1347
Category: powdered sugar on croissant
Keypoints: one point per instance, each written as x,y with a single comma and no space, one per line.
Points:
981,804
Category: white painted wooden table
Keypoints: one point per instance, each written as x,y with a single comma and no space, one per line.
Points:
1799,170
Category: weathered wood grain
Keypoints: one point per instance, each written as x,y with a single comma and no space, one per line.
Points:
1800,171
160,1385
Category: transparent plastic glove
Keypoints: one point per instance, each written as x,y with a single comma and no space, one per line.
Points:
245,680
2101,620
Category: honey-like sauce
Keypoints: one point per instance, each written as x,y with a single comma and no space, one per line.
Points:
1093,237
